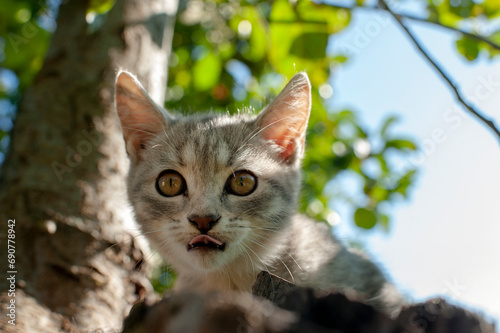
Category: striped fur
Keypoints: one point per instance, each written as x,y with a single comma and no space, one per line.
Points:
261,231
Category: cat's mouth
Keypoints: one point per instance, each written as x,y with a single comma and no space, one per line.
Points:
205,242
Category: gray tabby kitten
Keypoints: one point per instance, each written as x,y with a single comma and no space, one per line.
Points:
216,196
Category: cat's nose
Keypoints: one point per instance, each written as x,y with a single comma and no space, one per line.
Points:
203,223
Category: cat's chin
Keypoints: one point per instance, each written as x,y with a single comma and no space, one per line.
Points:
206,260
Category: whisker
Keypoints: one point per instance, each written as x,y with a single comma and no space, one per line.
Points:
244,212
249,257
228,277
265,248
256,228
288,253
267,269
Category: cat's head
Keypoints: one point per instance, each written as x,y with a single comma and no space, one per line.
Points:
214,189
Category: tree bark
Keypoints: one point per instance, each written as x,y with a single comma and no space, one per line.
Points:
77,266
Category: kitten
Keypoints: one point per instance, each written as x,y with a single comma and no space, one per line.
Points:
216,196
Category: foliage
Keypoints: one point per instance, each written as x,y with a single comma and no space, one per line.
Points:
24,39
163,278
476,14
246,50
233,55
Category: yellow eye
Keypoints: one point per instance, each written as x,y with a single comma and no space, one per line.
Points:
241,183
170,183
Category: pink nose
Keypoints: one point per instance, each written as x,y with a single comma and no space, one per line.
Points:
203,223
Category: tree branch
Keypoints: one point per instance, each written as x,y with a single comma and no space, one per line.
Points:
420,19
399,19
490,123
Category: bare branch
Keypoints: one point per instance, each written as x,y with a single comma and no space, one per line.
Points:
490,123
419,19
399,19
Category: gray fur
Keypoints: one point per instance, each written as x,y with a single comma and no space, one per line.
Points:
261,231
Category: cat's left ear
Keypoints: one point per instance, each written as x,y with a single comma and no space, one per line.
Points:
140,117
284,121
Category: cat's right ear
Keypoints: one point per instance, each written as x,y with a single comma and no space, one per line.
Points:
140,117
284,121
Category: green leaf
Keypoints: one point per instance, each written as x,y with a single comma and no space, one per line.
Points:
24,52
258,38
400,144
491,8
444,13
100,6
379,193
310,45
282,11
383,163
346,115
388,123
206,72
404,182
287,58
365,218
463,9
162,278
468,47
384,220
339,59
335,19
495,38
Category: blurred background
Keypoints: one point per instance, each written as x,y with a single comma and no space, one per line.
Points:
443,240
394,163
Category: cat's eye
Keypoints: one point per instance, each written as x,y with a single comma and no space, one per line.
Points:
241,183
170,183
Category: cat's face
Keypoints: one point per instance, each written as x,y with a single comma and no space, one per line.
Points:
212,190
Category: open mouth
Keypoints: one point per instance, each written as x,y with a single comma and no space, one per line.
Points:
205,242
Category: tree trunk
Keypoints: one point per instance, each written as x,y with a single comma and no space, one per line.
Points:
62,193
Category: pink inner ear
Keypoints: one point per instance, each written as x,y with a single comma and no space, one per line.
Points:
140,117
282,137
284,121
137,139
289,149
139,126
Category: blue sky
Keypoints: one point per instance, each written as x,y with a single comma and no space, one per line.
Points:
445,240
